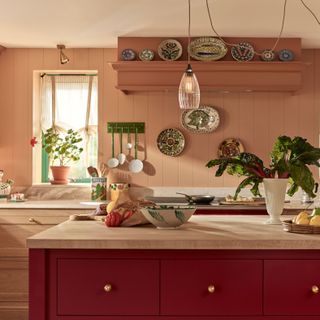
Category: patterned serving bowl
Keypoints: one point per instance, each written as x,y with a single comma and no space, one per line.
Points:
168,217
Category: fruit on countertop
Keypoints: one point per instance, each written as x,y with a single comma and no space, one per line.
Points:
315,220
302,218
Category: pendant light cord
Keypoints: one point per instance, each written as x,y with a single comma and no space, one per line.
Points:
236,44
280,32
309,9
189,27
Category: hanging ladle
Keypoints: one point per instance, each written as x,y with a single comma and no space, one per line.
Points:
136,165
121,155
112,162
129,144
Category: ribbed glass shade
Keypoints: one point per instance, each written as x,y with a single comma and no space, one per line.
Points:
189,91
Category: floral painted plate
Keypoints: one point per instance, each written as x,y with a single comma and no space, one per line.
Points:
229,148
171,142
128,55
243,51
202,120
146,55
207,49
170,49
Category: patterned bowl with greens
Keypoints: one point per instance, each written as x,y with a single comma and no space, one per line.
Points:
168,217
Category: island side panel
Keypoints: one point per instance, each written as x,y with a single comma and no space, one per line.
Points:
37,281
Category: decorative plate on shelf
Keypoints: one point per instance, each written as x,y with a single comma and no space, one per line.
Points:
202,120
286,55
128,55
267,55
229,148
171,142
207,49
170,49
243,51
146,55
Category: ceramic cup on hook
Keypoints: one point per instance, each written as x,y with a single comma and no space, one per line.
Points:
112,162
136,165
121,155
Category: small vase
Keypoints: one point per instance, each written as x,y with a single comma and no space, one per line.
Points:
275,191
60,174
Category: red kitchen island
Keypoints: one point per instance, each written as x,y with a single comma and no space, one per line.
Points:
212,268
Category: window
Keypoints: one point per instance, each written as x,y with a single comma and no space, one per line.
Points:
70,101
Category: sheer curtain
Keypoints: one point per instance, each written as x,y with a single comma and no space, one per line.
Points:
71,102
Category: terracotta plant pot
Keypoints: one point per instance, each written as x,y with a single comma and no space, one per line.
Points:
60,174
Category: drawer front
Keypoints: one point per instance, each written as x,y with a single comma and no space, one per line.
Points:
288,287
236,287
107,287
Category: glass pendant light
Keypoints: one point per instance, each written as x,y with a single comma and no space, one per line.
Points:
189,91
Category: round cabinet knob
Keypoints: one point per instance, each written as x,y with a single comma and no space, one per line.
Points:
32,220
315,289
211,288
107,287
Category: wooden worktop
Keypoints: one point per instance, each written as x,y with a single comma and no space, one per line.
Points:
201,232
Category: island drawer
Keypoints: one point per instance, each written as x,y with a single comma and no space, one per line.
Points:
211,287
292,287
107,287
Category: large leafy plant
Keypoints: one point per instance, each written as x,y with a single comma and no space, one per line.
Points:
290,158
62,147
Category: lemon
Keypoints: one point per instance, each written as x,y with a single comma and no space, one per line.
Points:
315,221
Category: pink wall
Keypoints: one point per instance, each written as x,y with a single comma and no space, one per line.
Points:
255,118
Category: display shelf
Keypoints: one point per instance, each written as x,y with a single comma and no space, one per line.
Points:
212,76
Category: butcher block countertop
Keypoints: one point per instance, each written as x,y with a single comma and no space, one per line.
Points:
201,232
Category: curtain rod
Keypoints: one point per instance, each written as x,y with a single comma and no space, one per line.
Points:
67,74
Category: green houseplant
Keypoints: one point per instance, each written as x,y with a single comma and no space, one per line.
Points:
290,158
61,149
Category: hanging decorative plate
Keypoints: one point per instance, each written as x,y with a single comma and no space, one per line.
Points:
230,148
267,55
170,49
128,55
146,55
207,49
242,52
171,142
286,55
202,120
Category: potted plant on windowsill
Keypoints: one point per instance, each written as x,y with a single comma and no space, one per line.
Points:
61,149
290,158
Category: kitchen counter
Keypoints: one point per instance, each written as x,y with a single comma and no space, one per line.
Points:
49,204
87,204
201,232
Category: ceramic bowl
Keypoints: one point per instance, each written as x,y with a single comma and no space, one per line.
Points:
168,217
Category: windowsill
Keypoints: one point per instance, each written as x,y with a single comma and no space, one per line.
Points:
69,185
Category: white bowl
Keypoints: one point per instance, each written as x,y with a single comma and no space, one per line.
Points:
168,217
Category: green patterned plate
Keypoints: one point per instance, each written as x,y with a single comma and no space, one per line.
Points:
202,120
171,142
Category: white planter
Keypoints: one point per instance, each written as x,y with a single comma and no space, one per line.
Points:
275,191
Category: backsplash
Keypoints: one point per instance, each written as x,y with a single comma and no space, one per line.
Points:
254,118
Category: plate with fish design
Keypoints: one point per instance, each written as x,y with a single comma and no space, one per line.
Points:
171,142
207,49
205,119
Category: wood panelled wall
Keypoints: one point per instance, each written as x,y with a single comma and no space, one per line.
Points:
255,118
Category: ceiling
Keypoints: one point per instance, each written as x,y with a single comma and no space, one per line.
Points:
98,23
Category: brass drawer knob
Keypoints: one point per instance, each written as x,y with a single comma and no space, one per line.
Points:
211,288
107,287
315,289
31,219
